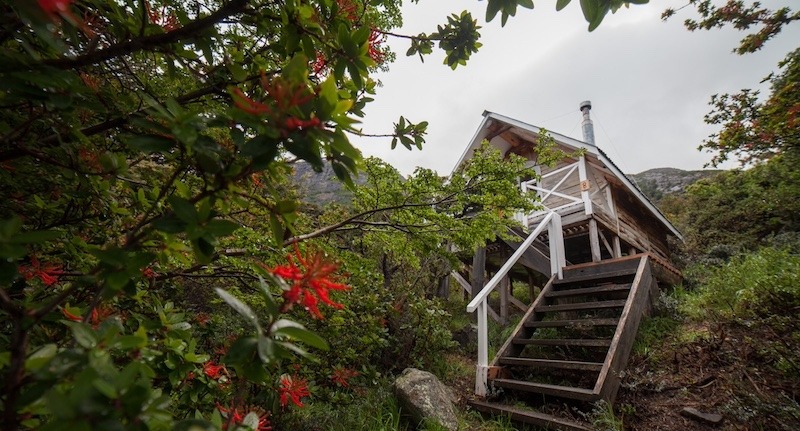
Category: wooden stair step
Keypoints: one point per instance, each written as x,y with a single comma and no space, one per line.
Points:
570,342
529,416
575,322
552,363
590,290
546,389
581,306
576,278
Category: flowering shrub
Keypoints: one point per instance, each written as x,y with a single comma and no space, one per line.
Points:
144,152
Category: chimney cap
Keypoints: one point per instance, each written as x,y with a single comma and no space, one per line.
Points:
586,104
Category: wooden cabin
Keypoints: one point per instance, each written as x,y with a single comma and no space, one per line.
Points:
603,213
600,250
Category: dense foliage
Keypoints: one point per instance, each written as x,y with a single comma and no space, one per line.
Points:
739,210
145,148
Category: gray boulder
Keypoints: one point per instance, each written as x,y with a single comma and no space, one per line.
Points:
425,398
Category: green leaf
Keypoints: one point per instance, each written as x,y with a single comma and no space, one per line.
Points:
170,224
240,307
301,334
266,349
183,209
40,357
492,8
589,8
343,175
10,226
277,228
105,388
129,342
272,306
601,13
561,4
83,333
527,4
219,227
149,143
35,236
259,146
242,351
286,206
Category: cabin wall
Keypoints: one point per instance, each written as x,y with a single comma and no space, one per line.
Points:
621,213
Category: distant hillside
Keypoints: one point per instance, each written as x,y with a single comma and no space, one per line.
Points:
656,183
320,188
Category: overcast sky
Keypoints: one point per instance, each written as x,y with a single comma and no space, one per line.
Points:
649,82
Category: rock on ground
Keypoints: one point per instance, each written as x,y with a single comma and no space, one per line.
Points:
709,418
425,398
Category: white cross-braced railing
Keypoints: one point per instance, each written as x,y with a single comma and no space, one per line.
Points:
546,194
551,222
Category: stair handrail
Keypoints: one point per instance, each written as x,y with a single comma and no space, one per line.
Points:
622,342
552,222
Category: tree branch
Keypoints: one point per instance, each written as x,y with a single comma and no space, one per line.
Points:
130,46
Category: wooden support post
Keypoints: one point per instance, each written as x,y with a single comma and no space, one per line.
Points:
531,285
505,287
613,209
444,287
586,185
594,240
632,251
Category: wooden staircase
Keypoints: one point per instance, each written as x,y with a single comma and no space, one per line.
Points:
574,340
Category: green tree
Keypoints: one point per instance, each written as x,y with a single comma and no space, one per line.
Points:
144,151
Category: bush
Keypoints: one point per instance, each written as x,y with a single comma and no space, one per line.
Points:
760,291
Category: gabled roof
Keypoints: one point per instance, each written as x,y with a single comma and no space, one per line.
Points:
574,144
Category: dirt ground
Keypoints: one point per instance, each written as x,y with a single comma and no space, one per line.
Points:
720,372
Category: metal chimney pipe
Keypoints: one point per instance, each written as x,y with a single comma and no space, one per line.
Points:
587,125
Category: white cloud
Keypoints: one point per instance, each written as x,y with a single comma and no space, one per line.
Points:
649,83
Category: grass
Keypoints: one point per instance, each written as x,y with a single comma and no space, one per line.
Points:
376,409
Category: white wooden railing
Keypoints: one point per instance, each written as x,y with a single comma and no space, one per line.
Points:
548,195
551,222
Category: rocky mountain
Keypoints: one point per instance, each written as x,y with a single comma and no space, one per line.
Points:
320,188
659,182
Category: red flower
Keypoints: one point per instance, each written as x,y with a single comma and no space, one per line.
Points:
319,64
341,376
293,388
376,38
247,104
256,180
285,98
100,314
54,7
47,273
235,417
311,280
57,9
347,9
149,273
166,21
202,319
212,370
